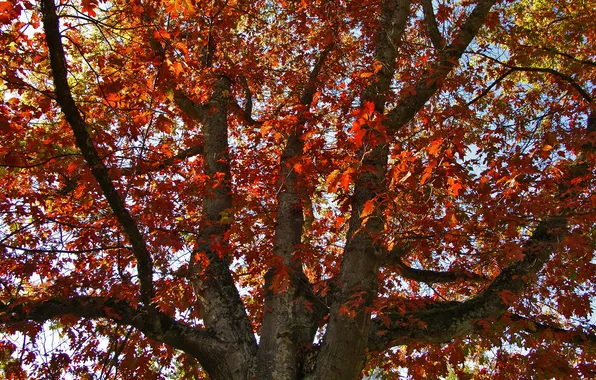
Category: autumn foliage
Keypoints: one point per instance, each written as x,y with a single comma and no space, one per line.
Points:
261,189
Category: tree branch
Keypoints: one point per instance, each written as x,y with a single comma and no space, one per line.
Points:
183,155
554,51
156,326
45,250
218,299
85,144
180,156
247,100
359,267
487,90
342,353
431,25
287,314
193,109
412,101
578,336
444,321
447,320
559,74
547,70
311,86
430,277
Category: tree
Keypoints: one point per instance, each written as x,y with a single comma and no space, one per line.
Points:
290,190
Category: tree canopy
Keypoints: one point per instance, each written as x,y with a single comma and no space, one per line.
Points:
262,189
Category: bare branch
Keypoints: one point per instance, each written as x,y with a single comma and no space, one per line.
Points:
85,144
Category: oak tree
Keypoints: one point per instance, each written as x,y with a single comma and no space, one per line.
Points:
261,189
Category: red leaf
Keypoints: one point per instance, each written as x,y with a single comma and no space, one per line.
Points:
89,6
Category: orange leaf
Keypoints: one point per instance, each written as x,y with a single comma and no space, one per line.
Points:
435,145
426,175
378,66
315,98
111,99
177,68
369,107
368,208
345,182
164,124
454,186
161,35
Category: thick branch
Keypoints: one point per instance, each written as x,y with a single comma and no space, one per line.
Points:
346,335
287,323
85,144
430,276
195,342
343,350
392,24
446,321
218,298
412,101
219,301
190,107
431,25
311,86
247,99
